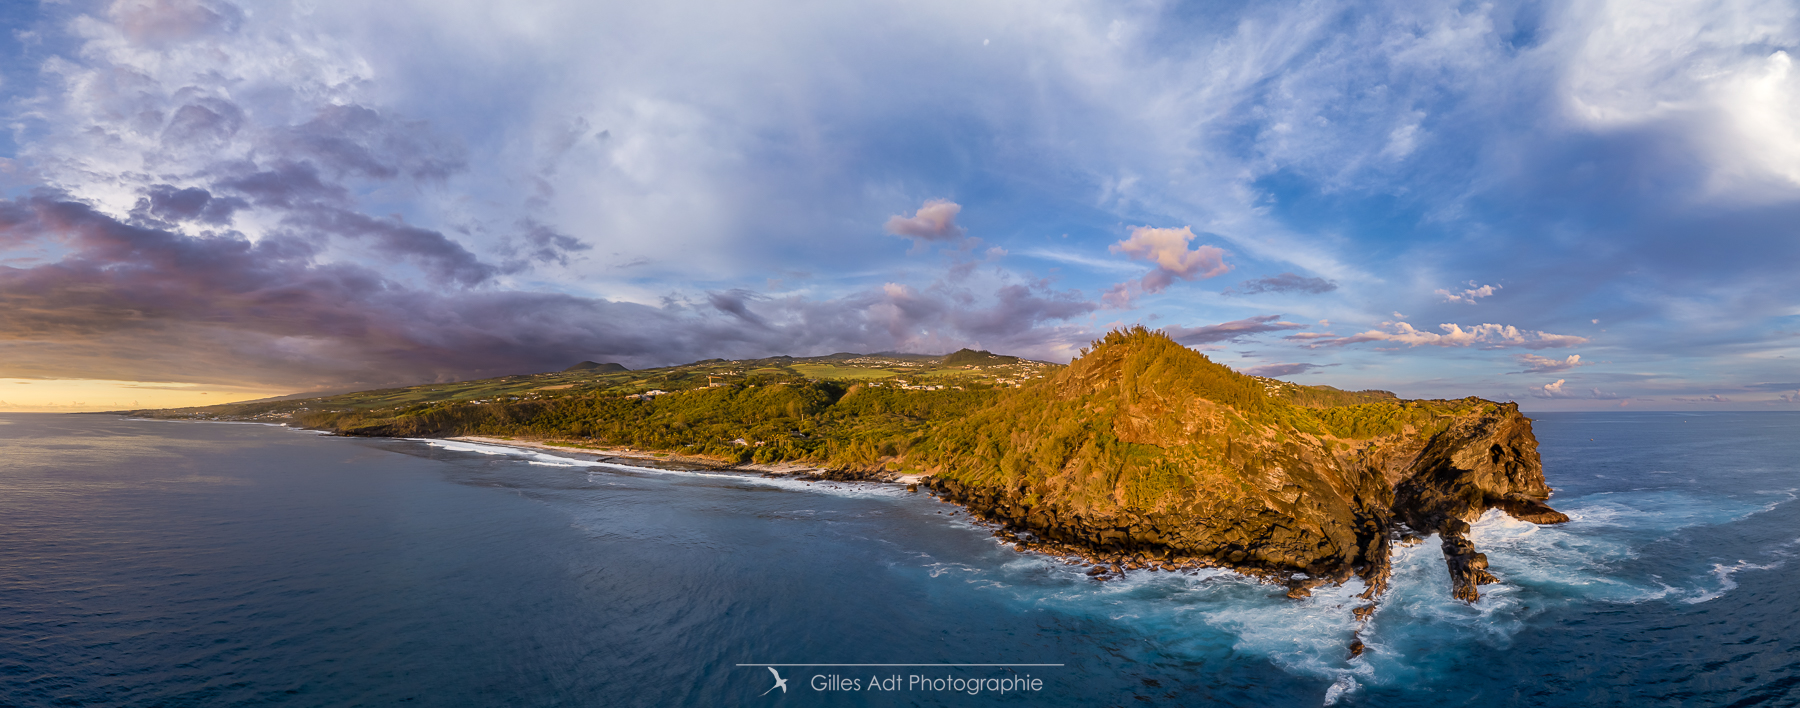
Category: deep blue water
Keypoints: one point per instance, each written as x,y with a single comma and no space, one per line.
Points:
186,564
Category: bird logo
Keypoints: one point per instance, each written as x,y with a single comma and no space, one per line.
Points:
780,682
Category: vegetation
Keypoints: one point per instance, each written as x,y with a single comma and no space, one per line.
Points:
1137,419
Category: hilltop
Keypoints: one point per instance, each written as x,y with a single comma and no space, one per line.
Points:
1154,453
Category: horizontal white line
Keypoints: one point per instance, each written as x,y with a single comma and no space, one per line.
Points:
919,665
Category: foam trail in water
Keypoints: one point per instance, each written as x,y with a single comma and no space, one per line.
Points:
529,455
843,489
1726,584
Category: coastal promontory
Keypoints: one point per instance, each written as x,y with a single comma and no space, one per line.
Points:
1141,450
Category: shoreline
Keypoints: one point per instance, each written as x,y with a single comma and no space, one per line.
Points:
675,461
1106,565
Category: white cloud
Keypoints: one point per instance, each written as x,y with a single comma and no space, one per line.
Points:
1713,70
1535,364
1494,336
1469,295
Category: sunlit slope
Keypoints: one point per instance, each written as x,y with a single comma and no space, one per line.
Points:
1147,446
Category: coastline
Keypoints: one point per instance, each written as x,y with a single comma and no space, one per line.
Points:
645,458
1103,565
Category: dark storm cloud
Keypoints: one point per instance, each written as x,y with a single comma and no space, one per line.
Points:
439,256
168,205
134,302
1230,331
1020,308
1284,283
540,243
285,185
733,303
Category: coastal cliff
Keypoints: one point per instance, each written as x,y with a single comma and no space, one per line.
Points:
1146,450
1140,453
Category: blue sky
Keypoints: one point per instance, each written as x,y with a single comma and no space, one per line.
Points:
1572,205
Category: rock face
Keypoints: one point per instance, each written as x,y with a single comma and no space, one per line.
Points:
1146,448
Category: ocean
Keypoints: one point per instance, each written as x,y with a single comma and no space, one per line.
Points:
148,563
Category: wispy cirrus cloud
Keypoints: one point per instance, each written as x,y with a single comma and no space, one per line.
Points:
1230,331
1284,283
1275,370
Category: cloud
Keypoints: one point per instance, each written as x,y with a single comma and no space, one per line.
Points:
1468,296
163,21
1230,331
357,140
1535,364
1550,390
935,221
1581,148
1167,250
442,258
165,204
541,243
133,302
1791,397
1714,398
1492,335
1276,370
1284,283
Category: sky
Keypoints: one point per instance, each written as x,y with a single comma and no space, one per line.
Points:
1576,206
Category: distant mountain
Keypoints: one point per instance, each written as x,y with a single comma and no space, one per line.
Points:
977,357
596,367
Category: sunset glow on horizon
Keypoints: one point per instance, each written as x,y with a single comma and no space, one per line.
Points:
87,395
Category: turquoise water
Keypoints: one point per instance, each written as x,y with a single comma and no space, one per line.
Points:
175,564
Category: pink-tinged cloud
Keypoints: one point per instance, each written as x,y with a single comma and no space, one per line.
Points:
1168,250
1118,297
935,221
161,21
1551,390
1535,364
1493,336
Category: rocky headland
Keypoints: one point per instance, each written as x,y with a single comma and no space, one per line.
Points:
1146,454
